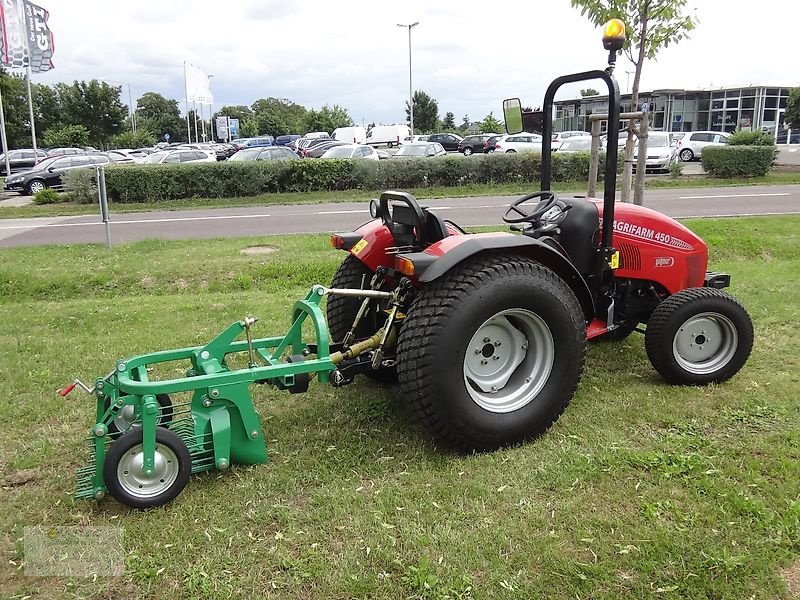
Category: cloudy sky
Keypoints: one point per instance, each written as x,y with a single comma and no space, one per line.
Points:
468,55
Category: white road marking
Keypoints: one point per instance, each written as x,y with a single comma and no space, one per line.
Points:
733,196
330,212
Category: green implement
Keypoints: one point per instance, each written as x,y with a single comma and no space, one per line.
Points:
143,447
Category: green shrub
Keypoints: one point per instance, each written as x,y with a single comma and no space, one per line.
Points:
676,169
751,138
47,196
69,136
147,183
80,185
738,161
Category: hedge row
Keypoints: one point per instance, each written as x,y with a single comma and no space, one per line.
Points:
738,161
147,183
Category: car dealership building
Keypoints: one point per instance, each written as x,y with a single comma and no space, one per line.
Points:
690,110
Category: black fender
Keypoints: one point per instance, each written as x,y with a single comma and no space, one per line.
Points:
428,266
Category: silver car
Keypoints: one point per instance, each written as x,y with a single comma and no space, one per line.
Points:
691,145
661,154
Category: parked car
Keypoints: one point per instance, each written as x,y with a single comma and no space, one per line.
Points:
350,135
318,150
178,156
274,153
285,140
47,174
255,142
65,151
661,153
691,145
415,139
449,141
520,142
388,135
423,150
489,145
473,143
351,151
575,144
120,156
141,152
559,137
21,160
317,135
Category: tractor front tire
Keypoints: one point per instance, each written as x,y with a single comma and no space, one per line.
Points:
341,311
127,483
491,353
699,336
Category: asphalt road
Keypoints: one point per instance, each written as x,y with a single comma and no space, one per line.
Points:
315,218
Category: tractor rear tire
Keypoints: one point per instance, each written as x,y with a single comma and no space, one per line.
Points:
128,485
341,311
699,336
490,354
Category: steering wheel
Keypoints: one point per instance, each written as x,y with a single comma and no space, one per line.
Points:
546,202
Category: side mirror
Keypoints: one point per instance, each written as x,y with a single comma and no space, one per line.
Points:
512,115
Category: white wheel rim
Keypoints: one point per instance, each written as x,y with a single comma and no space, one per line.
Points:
705,343
132,479
508,360
37,186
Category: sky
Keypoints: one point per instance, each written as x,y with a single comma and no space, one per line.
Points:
467,55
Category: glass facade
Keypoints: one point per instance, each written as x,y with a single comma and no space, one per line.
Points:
689,110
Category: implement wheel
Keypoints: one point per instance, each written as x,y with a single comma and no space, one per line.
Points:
341,311
128,484
127,417
491,353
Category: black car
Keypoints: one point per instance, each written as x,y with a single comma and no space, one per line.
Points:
285,140
21,160
449,141
319,149
474,143
47,174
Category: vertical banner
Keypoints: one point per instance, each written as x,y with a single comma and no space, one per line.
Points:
39,37
15,48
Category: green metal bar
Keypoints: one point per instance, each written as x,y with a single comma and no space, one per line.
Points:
149,420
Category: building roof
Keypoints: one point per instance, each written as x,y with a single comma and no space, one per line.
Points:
675,91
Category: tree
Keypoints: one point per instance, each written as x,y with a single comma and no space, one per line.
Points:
490,124
15,104
426,112
129,139
589,92
278,116
792,115
651,26
95,105
464,127
248,127
69,136
236,112
46,107
449,121
158,115
327,119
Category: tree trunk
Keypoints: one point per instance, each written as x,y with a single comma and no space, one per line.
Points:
627,170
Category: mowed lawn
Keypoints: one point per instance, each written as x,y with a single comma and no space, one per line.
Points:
640,490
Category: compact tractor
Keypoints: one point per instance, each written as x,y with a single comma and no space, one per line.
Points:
485,334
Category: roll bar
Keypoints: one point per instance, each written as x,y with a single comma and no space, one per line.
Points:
612,136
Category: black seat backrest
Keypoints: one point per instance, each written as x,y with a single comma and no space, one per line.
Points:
435,228
579,233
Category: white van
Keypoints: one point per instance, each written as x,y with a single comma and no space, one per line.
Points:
391,135
350,135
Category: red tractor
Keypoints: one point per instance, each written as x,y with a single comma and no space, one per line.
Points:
488,333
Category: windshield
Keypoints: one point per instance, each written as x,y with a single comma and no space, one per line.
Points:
339,152
412,150
657,140
154,158
577,144
247,154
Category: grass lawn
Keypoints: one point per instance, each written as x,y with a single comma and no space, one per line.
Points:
69,209
639,491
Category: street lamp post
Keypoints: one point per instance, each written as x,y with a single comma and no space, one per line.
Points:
410,88
130,101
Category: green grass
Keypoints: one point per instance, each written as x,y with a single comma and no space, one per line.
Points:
68,209
639,491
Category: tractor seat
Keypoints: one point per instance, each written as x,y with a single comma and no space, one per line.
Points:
435,227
